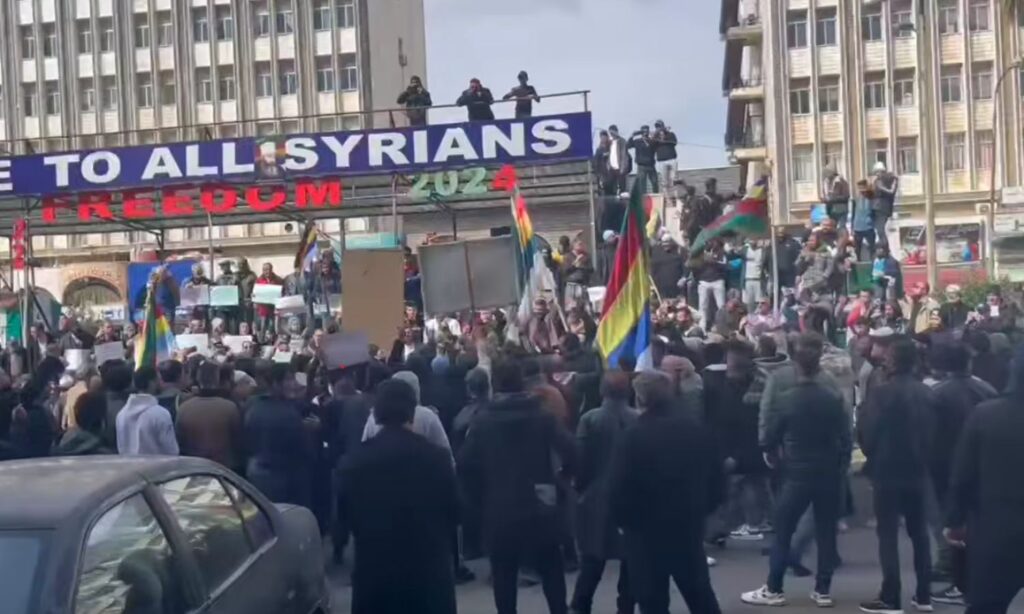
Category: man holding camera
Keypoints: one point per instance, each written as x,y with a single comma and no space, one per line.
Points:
416,99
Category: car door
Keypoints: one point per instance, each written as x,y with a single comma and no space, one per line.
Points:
128,565
233,570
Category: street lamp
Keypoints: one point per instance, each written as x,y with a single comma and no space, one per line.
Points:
990,220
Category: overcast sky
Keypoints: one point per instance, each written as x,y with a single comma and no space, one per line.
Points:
642,60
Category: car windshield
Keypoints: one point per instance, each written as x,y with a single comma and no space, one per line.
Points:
21,554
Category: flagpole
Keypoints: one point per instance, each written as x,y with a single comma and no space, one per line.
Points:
776,289
209,236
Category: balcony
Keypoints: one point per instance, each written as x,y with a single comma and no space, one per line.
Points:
746,146
750,89
746,28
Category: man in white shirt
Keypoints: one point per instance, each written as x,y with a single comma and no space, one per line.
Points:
143,426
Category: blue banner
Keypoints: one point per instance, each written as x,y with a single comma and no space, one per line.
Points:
329,154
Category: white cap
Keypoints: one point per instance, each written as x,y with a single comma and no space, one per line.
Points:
879,167
608,235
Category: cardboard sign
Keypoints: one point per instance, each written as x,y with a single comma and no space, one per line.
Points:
290,304
345,350
75,359
296,345
193,296
200,342
266,294
224,296
109,351
237,343
282,357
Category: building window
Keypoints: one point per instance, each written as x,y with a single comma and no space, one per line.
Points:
949,16
30,101
953,152
200,25
903,92
289,79
84,36
984,149
164,29
346,14
262,22
348,77
800,99
204,86
322,16
903,23
324,75
832,157
878,151
874,93
981,82
107,41
52,99
226,86
49,42
803,164
110,94
87,95
796,30
978,16
264,81
28,43
225,24
285,21
144,87
141,32
168,87
950,85
871,26
906,156
828,95
825,28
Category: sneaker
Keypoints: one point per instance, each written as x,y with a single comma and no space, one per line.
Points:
746,533
925,606
763,596
950,596
822,600
880,607
712,561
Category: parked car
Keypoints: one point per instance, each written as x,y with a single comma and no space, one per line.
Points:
151,535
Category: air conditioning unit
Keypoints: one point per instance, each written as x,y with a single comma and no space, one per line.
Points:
982,208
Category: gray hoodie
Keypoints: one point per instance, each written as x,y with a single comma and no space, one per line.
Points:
425,422
144,427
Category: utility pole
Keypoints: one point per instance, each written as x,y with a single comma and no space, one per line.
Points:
929,170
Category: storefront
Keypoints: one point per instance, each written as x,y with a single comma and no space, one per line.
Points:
960,248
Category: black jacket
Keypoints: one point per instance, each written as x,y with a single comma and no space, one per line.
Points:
644,149
665,146
276,443
987,493
666,270
478,104
599,433
508,471
665,480
401,500
897,435
813,430
347,416
416,103
732,417
953,400
953,315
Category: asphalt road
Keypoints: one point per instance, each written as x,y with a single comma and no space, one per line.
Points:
740,568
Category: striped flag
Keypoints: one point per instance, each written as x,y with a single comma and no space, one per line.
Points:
625,327
749,218
156,340
308,250
534,275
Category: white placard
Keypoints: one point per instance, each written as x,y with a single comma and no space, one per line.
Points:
266,294
109,351
237,343
282,356
192,296
291,304
76,358
224,296
200,342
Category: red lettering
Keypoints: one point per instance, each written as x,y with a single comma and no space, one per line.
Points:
94,204
176,203
255,199
51,204
138,205
505,179
208,199
318,194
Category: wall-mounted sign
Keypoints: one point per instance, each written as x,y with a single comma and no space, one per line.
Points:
402,150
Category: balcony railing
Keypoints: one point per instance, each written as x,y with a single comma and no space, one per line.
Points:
740,82
744,140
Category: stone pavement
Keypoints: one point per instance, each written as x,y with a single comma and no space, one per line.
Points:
740,568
